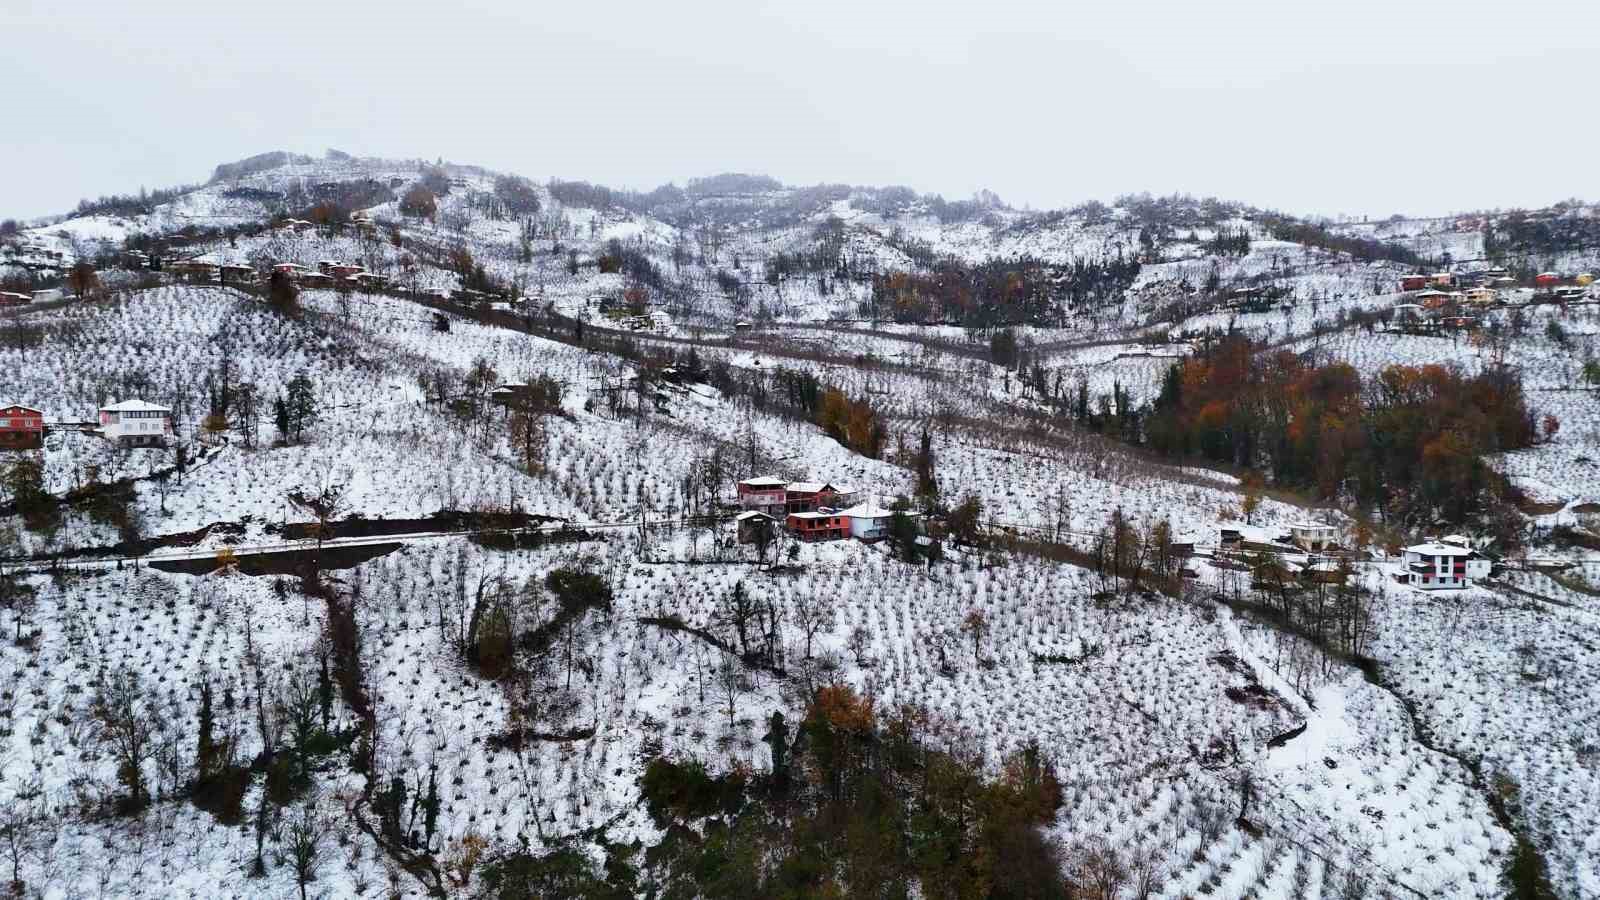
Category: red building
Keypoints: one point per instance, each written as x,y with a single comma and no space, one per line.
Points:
819,526
764,494
804,497
1413,282
1546,279
21,426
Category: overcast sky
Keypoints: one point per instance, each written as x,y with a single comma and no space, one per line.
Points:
1339,106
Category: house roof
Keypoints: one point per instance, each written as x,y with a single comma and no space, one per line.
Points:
818,514
809,487
751,514
867,510
1305,525
21,406
135,406
764,481
1434,548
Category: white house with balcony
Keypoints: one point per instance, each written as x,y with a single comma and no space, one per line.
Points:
1312,536
136,423
1446,564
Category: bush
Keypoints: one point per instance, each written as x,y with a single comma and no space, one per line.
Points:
683,792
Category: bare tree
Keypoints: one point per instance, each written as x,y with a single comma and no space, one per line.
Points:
327,505
128,726
17,839
859,641
731,684
814,613
738,610
976,625
1099,870
307,831
247,412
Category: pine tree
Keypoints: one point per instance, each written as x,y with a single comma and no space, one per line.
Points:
927,484
324,692
301,404
778,739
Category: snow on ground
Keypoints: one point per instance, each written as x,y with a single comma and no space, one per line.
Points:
1159,714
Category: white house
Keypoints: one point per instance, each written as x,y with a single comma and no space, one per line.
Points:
1444,564
136,423
868,521
1311,535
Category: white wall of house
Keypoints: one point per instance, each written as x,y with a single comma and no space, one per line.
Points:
869,528
135,425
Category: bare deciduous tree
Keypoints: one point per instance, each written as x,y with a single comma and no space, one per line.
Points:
126,724
306,834
731,684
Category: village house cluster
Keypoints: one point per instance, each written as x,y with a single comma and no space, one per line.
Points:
1447,563
130,423
1452,300
330,273
809,510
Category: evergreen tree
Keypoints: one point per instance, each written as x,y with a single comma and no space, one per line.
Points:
927,484
25,482
324,692
301,405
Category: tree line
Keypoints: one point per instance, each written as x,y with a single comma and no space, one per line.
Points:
856,803
802,396
1406,444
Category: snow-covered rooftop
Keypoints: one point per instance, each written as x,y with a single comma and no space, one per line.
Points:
135,406
867,510
1434,548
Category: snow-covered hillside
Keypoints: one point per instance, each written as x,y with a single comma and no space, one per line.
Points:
562,598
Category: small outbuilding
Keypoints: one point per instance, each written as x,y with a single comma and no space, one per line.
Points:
752,524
